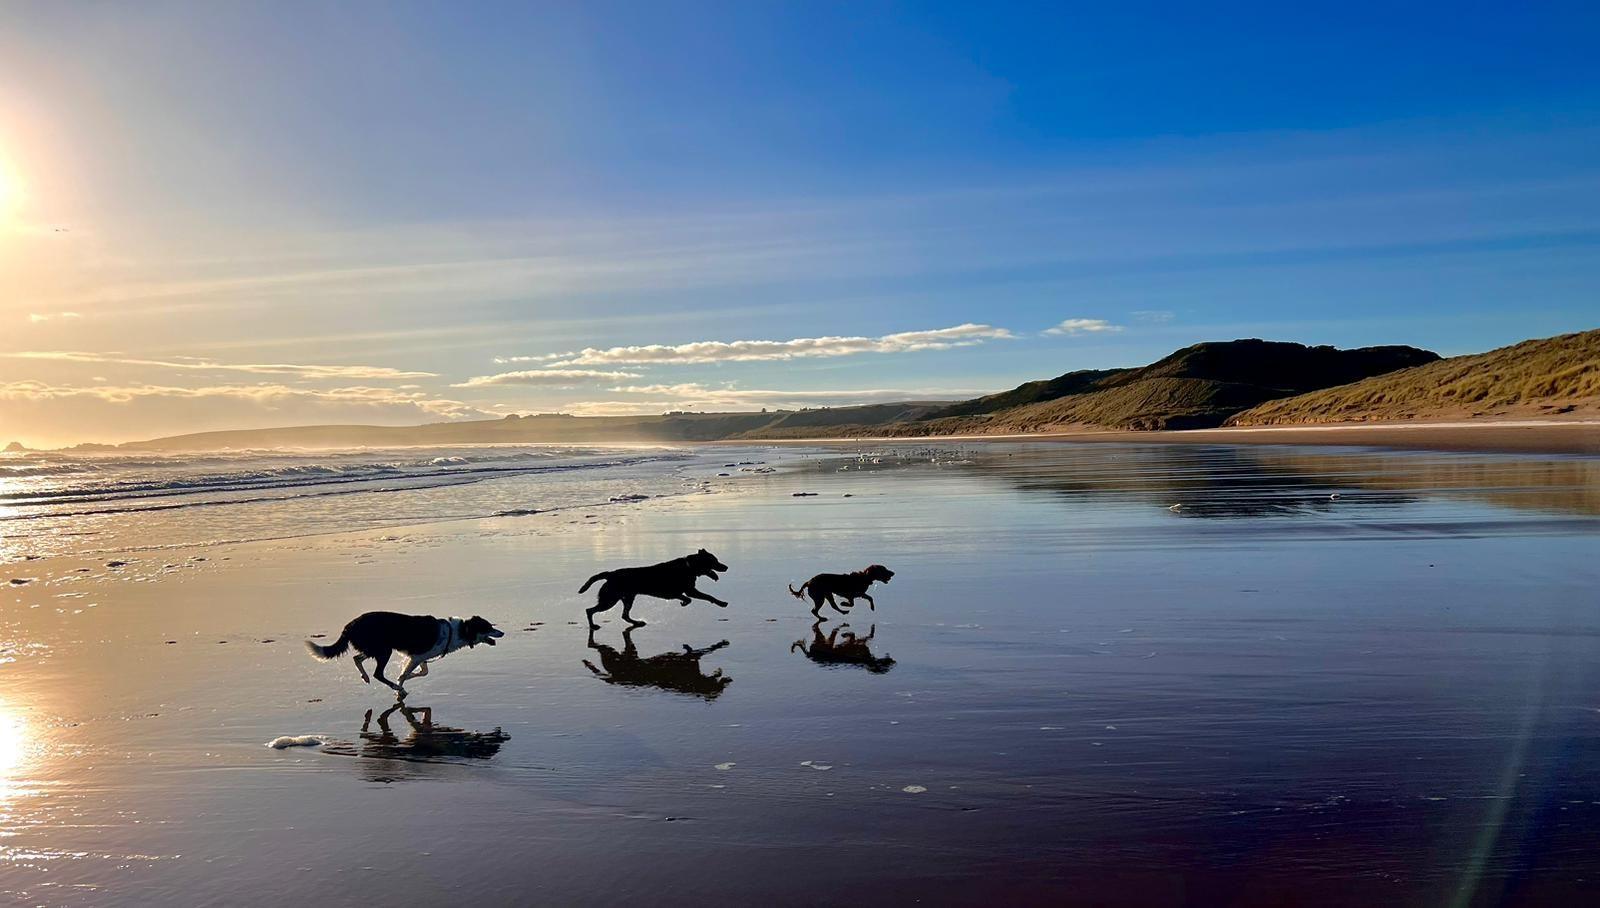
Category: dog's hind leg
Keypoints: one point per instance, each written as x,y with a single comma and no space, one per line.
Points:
605,602
627,613
365,678
379,661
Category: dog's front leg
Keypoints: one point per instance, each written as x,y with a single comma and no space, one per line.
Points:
411,669
708,598
422,670
870,604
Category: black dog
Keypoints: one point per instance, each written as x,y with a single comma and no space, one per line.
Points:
668,580
377,635
848,587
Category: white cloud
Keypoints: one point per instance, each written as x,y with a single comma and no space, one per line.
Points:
761,350
343,373
1159,316
37,317
508,360
695,396
545,378
1075,326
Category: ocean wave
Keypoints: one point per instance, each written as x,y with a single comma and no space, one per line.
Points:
379,475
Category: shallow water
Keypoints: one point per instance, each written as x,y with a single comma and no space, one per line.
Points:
1323,677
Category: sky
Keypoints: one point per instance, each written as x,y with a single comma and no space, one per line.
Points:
229,215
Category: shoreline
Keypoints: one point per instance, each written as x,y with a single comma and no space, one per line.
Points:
1503,437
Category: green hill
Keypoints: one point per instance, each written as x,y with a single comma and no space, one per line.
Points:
1553,376
1196,387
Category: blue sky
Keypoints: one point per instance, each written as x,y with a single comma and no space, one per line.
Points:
224,215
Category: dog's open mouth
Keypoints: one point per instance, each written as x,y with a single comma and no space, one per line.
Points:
492,633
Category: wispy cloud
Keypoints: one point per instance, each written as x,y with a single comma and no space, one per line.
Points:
342,373
1075,326
695,396
700,352
268,394
45,413
1154,316
545,378
38,317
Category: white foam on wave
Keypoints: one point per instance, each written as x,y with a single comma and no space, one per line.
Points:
283,741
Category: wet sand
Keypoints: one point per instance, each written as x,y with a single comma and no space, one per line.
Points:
1546,436
1511,437
1121,675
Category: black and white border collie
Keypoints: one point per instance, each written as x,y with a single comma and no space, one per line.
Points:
377,635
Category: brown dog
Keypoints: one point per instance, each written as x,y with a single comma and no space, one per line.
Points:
668,580
849,587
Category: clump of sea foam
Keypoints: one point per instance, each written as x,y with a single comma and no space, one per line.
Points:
283,741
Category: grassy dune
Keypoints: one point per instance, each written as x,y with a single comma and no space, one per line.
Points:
1553,376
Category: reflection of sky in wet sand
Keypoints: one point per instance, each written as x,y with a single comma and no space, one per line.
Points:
1384,697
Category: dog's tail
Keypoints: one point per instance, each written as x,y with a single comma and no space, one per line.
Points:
331,651
590,582
801,592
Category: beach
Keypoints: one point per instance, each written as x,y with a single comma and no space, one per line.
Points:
1489,436
1122,673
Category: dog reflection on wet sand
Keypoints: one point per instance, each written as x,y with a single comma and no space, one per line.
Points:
843,647
388,757
674,671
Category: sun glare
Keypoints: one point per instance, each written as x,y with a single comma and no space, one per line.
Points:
13,749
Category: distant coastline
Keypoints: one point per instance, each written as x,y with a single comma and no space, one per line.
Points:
1536,396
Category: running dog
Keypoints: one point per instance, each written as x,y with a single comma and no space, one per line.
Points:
668,580
849,587
377,635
